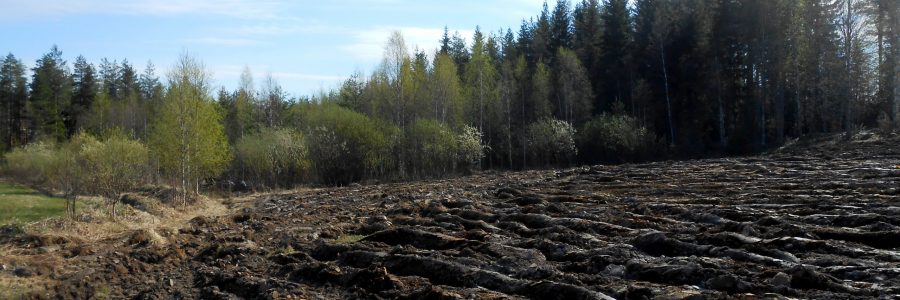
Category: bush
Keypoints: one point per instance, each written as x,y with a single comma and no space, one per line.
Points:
551,142
115,166
82,165
470,150
616,138
272,157
346,146
30,164
431,147
885,125
434,149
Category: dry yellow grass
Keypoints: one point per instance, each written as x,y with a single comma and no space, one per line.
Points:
94,224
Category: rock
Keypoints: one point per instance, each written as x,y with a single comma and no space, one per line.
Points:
23,271
728,283
417,238
804,277
880,239
691,274
780,280
615,270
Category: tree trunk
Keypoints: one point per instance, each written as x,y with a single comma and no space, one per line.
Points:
70,211
509,149
721,111
895,49
662,55
779,110
762,107
848,64
524,134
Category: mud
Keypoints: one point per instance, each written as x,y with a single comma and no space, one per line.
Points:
815,222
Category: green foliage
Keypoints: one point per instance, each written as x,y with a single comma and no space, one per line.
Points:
552,142
187,136
29,164
50,167
13,99
116,165
82,165
84,91
481,84
432,147
272,157
50,95
446,88
69,172
617,138
470,150
345,146
540,92
574,92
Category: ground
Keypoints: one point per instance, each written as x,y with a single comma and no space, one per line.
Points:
817,221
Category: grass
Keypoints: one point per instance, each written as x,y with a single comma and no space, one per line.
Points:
19,204
12,287
349,239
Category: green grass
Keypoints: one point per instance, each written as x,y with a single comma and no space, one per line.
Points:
349,239
19,204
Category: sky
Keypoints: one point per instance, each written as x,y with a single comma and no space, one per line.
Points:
307,46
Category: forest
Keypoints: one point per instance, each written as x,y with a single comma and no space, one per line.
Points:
589,82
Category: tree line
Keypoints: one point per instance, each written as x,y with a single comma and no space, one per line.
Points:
597,81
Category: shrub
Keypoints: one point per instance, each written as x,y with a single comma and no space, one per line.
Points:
470,150
551,142
52,168
346,146
432,148
29,164
69,172
272,157
885,125
115,166
616,138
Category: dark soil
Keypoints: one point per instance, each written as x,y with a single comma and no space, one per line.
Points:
814,222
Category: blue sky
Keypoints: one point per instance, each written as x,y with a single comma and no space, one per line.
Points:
307,46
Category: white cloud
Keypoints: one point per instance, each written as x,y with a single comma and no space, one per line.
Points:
304,76
231,74
217,41
369,44
286,28
245,9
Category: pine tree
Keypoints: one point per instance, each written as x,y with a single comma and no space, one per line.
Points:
541,37
128,81
616,47
109,76
84,84
480,81
560,26
459,52
445,42
50,96
13,98
586,41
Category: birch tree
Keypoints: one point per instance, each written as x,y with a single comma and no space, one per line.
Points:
188,137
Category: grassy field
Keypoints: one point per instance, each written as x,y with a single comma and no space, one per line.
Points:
19,204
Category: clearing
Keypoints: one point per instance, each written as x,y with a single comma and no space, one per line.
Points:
817,221
20,204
